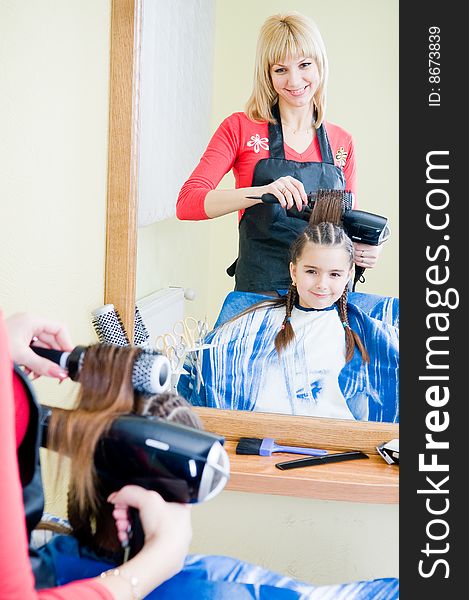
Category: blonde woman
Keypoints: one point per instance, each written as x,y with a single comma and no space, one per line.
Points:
281,145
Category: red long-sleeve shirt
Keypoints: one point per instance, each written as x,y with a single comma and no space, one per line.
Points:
16,577
238,144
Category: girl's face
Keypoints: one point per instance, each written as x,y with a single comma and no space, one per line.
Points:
295,80
321,274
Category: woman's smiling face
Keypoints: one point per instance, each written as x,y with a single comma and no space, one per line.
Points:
295,80
321,274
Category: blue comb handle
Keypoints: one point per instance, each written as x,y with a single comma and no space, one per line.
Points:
269,446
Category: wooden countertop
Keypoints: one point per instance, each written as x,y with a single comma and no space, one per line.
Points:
370,480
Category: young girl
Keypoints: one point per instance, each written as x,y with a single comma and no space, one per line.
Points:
304,353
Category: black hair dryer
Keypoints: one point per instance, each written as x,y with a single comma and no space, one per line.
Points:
367,228
181,463
360,226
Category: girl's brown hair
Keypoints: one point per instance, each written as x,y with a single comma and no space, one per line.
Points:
105,393
281,36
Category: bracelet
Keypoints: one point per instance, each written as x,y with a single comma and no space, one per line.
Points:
132,581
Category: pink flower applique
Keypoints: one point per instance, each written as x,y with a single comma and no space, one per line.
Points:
257,143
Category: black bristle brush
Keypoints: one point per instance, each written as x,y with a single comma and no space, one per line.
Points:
267,446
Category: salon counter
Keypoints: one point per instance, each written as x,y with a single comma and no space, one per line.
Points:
370,480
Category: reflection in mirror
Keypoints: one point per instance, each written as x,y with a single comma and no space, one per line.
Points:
315,351
362,99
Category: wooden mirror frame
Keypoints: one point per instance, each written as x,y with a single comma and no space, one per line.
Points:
375,482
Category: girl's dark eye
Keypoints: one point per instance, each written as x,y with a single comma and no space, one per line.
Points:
305,65
279,70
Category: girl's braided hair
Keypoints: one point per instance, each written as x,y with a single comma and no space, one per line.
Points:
324,228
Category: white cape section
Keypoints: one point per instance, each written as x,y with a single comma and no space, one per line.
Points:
242,371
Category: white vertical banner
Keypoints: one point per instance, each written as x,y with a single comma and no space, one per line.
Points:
175,100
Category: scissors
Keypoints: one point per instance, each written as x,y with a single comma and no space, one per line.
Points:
191,331
168,345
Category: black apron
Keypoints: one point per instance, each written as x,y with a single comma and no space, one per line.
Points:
31,481
266,232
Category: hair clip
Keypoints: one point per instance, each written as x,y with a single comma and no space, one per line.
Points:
288,319
345,324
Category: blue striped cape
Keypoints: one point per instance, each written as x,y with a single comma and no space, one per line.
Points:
232,368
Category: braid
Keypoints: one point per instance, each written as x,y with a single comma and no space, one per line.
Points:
352,338
286,334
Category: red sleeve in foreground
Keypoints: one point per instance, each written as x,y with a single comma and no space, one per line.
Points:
16,577
78,590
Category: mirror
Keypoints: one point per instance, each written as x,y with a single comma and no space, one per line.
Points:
361,41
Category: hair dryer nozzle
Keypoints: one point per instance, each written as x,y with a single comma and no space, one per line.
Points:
366,227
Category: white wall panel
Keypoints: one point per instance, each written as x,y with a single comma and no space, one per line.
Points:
175,101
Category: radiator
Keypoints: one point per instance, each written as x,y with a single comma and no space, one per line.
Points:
160,310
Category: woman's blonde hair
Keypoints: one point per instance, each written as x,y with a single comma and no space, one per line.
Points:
286,35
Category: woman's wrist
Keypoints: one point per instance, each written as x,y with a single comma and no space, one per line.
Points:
136,578
223,202
132,581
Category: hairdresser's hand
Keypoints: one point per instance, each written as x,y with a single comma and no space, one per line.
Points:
22,329
366,256
167,525
288,191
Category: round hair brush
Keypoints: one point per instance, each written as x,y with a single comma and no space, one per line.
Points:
151,373
305,213
108,326
141,335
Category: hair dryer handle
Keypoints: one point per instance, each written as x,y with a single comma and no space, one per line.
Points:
136,533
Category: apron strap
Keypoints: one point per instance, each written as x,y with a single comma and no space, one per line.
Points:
276,139
276,135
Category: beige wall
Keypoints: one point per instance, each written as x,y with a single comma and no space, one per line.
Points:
53,160
53,156
53,118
